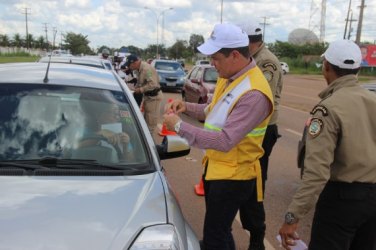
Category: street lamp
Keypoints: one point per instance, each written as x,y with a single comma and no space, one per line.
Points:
157,16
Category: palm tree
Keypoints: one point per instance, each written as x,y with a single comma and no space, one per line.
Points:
40,43
17,40
4,40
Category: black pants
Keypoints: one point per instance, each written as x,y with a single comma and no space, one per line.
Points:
345,217
223,199
138,98
252,213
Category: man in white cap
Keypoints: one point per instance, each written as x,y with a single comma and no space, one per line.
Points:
252,214
235,123
339,161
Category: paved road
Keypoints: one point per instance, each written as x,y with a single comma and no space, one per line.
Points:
298,97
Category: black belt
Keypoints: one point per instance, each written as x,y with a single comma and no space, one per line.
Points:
153,92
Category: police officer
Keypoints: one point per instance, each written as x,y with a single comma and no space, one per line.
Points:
252,214
340,160
106,54
147,84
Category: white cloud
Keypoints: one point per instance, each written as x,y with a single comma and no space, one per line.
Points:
118,23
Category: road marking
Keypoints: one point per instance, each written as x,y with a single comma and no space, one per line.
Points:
267,244
294,109
294,132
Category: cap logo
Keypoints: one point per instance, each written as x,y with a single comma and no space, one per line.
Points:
348,61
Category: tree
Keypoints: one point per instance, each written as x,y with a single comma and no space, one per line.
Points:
77,43
179,49
17,40
195,41
40,43
4,40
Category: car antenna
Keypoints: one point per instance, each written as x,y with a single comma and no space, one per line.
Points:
45,80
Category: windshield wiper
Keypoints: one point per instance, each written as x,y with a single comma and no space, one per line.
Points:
76,163
21,164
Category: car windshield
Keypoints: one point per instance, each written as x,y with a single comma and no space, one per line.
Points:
168,66
75,123
211,75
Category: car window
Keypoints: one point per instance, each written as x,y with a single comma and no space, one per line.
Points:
211,75
39,121
199,73
168,66
193,74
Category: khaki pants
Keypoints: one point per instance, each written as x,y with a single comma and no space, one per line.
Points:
152,105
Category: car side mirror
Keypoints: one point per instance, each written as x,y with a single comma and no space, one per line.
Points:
173,146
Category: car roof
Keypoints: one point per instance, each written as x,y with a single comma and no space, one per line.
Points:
59,74
87,61
370,86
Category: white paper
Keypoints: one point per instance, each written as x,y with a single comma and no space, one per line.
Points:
300,245
114,127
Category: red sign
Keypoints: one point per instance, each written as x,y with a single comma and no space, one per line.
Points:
368,55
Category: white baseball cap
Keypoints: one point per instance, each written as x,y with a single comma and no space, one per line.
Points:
251,27
224,35
343,53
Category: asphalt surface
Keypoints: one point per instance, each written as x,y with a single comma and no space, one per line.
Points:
299,96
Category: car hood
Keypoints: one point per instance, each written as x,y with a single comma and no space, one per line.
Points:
78,212
166,73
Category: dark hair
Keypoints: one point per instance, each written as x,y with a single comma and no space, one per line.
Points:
255,38
342,72
244,51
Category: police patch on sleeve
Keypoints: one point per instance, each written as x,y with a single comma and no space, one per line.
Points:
320,108
315,127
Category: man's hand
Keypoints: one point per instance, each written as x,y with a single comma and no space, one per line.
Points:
170,120
288,235
137,91
176,107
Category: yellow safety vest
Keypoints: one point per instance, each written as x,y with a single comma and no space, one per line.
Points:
242,161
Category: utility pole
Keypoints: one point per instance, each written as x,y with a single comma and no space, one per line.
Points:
264,25
45,30
347,20
54,31
350,26
27,31
360,23
221,10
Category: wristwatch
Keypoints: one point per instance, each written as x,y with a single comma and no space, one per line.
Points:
290,218
177,126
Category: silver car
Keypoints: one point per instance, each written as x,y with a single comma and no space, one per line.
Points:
78,166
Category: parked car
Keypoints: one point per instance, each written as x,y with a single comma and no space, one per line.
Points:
171,74
302,142
285,68
79,60
66,182
200,83
202,62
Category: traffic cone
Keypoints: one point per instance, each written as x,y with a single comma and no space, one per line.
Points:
164,131
199,188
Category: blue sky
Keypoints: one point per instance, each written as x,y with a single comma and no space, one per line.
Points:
117,23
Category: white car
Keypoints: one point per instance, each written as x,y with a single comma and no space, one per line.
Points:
65,183
285,68
201,62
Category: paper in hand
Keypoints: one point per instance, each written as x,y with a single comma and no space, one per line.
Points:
300,245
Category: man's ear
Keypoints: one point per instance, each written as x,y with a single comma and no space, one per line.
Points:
326,65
